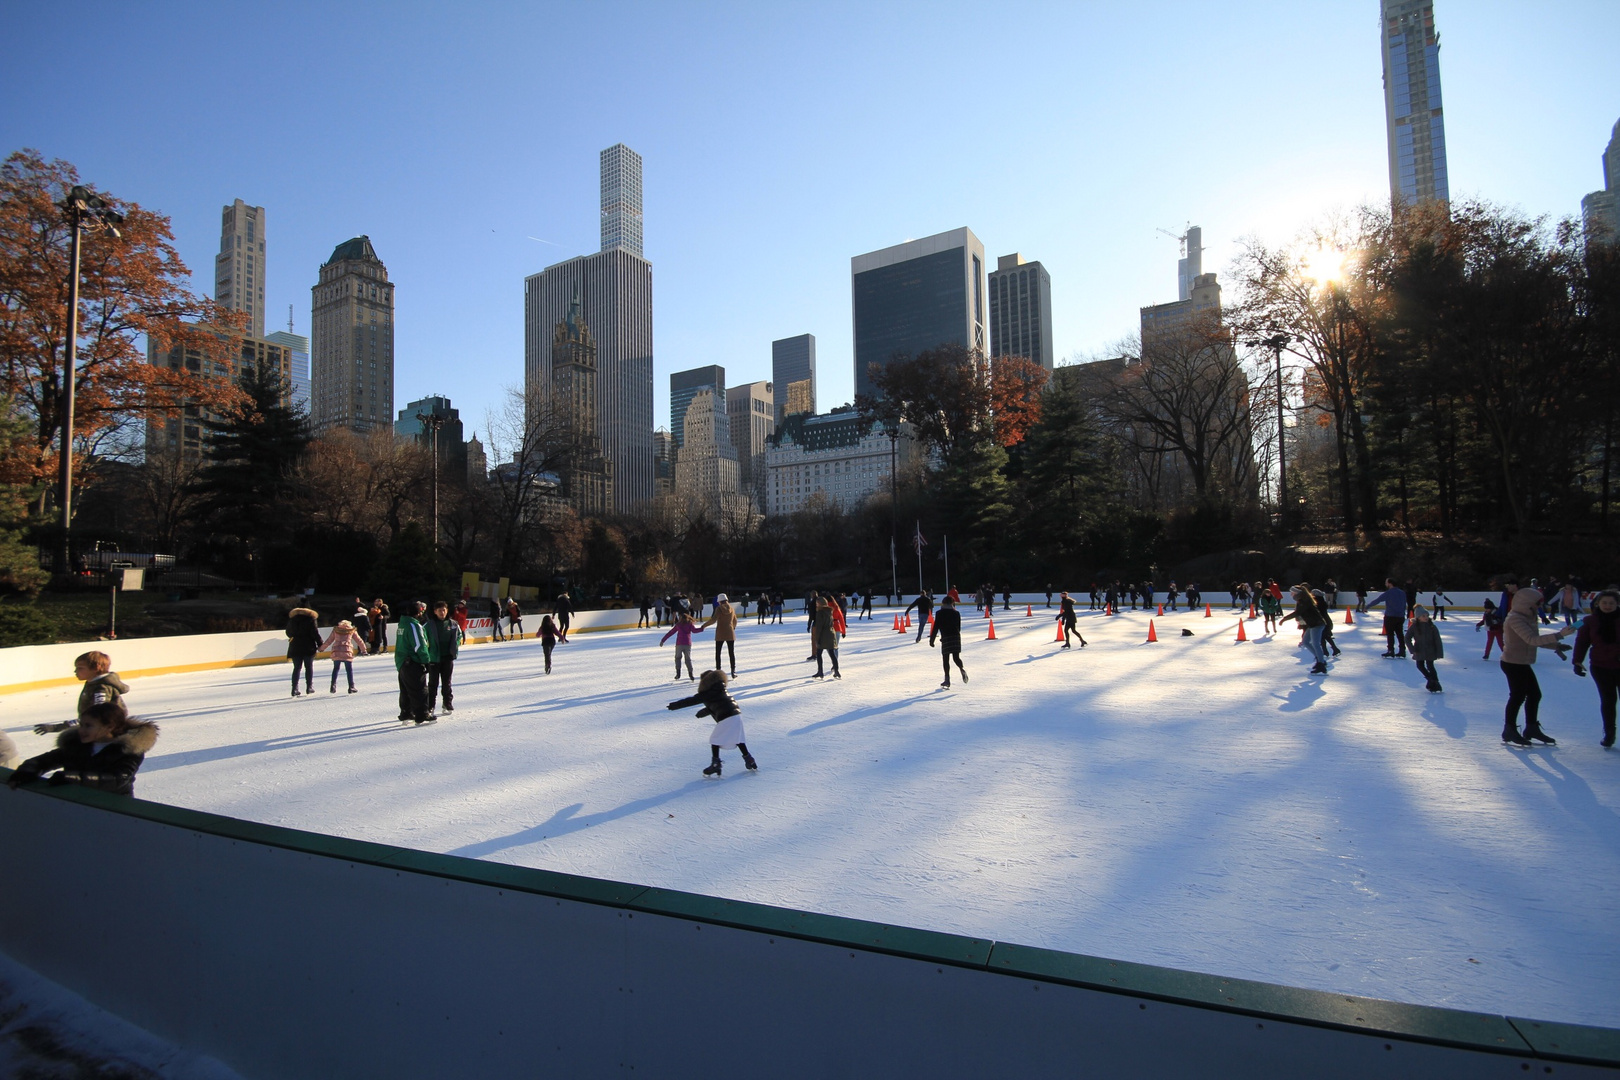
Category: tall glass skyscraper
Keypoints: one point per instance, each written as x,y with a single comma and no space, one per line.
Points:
1416,128
917,296
1600,211
614,291
793,375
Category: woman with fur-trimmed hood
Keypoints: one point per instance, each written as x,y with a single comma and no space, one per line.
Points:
1521,640
728,727
103,751
303,642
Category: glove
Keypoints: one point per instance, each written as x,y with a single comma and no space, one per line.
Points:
930,643
64,777
1580,669
1562,651
672,706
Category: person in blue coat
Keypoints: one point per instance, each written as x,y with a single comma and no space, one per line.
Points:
1394,600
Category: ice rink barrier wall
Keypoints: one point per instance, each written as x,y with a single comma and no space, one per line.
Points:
31,667
289,954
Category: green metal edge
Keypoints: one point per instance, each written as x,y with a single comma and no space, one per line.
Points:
1371,1016
1320,1008
1570,1042
931,945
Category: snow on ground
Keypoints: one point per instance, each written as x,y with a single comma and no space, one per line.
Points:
1195,803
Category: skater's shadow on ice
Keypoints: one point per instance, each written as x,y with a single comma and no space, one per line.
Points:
573,700
1303,695
564,822
1444,717
313,738
1575,797
859,714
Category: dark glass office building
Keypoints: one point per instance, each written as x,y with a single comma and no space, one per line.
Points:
917,296
793,374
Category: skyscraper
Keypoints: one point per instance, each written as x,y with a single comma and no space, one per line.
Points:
751,414
793,375
621,199
684,386
587,477
1416,129
614,288
1600,211
239,266
1021,310
917,296
353,349
298,347
452,450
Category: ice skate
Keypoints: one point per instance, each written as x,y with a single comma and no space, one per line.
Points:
1511,736
945,686
1608,737
1533,733
964,675
712,770
296,693
749,763
352,690
334,688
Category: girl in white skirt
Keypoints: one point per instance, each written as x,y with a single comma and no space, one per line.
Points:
728,727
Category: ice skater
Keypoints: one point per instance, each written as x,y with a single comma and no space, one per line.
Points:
682,629
101,685
1307,615
948,628
1426,647
548,638
724,621
412,654
1270,604
727,714
444,642
344,644
1439,601
1600,633
104,751
1491,620
924,605
1394,601
1068,620
1522,639
303,642
827,626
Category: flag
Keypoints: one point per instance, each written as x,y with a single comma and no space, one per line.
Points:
918,542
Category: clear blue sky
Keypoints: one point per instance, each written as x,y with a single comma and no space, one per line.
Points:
779,141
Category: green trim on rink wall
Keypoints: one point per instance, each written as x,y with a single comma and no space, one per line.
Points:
1369,1016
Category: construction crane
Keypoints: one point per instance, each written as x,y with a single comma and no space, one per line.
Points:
1180,239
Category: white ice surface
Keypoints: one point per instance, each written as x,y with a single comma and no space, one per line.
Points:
1194,803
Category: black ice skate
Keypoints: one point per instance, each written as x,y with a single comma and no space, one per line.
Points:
712,770
1511,736
1533,732
749,763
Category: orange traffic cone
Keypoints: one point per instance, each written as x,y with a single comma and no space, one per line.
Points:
1151,635
1251,611
1208,614
907,624
992,635
1349,616
1241,635
1161,612
987,611
1029,611
897,624
930,624
1059,632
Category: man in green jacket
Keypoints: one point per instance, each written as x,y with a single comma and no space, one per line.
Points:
444,642
412,655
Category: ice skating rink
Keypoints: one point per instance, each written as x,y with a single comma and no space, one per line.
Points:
1194,803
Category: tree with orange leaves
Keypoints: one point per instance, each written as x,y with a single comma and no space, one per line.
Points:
1016,384
131,285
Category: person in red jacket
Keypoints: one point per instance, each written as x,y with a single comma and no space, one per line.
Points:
1599,636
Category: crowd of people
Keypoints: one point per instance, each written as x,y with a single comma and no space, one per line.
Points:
103,746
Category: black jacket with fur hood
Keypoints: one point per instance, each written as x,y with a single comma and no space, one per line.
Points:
112,769
303,633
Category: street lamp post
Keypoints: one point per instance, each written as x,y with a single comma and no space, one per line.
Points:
1277,343
84,209
433,422
894,506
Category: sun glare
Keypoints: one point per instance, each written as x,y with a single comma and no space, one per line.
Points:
1324,265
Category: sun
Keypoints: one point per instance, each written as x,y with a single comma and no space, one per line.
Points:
1324,265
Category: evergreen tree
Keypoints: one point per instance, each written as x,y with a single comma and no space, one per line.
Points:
250,480
411,570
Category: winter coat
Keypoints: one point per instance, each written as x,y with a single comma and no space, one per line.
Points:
362,624
1394,601
724,621
1521,632
1270,605
1605,653
1065,611
1425,641
303,635
111,768
829,623
411,643
344,644
548,631
948,627
924,604
683,631
715,701
1305,614
444,638
102,688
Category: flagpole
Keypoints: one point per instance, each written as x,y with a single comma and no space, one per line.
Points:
918,545
945,543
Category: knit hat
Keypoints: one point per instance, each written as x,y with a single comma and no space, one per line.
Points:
1420,610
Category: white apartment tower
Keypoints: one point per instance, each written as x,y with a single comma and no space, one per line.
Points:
352,351
753,421
621,199
239,266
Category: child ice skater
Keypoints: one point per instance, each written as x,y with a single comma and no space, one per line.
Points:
728,727
101,685
1424,638
344,643
683,630
1492,622
548,639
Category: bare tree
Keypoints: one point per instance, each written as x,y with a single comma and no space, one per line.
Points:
530,445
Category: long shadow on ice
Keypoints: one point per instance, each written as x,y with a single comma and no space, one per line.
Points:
1444,717
1575,796
564,822
860,714
1303,695
259,746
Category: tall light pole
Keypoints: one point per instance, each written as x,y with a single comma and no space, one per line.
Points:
433,422
84,209
894,506
1277,343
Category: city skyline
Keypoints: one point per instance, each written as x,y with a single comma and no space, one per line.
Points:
516,191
